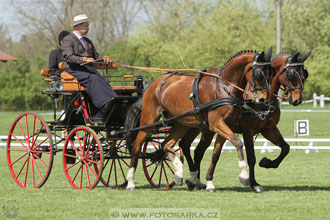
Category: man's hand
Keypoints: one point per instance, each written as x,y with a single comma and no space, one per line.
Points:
107,59
88,59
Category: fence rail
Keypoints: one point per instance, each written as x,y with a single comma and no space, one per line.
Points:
310,144
322,99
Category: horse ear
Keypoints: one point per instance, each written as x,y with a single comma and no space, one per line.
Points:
302,59
294,57
261,55
269,53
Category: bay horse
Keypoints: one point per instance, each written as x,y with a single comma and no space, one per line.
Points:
169,95
291,74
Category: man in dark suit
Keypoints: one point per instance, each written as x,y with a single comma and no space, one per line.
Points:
77,50
55,56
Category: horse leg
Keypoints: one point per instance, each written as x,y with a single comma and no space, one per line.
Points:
274,135
177,132
185,144
198,156
141,137
251,159
194,168
223,130
215,157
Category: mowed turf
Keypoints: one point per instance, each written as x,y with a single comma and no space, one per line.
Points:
298,189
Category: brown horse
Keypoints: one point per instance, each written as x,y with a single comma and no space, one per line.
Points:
291,74
169,95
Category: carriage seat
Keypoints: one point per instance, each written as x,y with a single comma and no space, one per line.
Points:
70,83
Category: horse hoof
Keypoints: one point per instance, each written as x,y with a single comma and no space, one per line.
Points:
210,190
130,188
178,180
190,185
257,188
244,182
201,186
265,163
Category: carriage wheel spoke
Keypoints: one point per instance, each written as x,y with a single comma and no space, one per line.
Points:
72,166
37,168
109,176
89,181
27,170
122,170
27,131
36,137
169,167
81,176
153,172
87,166
33,178
165,174
20,127
18,159
124,162
41,160
19,141
160,175
75,148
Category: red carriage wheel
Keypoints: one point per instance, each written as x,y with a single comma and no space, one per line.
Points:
116,163
158,168
29,150
82,152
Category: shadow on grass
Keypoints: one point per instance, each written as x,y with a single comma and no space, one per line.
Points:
277,188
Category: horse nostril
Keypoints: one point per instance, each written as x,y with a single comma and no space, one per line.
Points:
262,100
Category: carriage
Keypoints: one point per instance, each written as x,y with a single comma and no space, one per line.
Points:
91,150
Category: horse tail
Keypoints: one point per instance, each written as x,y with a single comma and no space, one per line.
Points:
132,121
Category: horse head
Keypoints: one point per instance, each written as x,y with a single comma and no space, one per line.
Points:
293,76
259,75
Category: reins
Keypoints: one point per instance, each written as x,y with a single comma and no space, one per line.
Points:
158,70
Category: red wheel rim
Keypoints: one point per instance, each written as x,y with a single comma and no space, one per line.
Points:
160,174
29,153
87,154
116,164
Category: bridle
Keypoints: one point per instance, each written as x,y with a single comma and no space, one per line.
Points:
258,72
291,72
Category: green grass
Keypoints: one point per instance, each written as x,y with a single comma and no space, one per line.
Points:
298,189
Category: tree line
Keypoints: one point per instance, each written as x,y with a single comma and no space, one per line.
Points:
164,34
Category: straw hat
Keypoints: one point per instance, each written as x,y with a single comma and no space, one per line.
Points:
80,19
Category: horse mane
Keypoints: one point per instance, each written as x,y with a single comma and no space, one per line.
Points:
281,54
239,53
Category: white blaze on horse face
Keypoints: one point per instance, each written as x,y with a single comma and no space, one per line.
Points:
130,178
243,166
178,167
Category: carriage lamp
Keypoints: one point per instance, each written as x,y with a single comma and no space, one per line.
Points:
140,81
55,86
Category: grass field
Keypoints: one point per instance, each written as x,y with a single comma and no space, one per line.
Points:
298,189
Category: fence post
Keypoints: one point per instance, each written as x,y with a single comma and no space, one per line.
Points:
266,145
314,100
322,101
311,150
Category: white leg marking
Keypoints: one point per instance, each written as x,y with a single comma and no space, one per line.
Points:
193,177
178,167
130,178
209,185
243,166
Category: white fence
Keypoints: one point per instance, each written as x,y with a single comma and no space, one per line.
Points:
307,144
322,99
